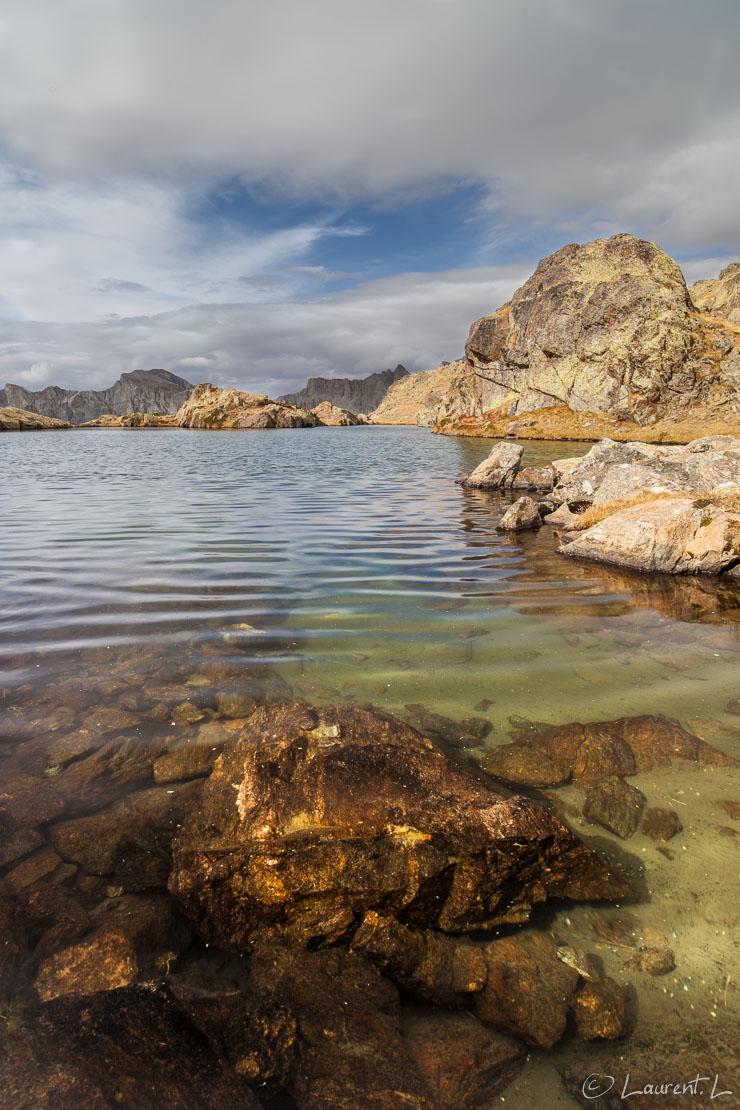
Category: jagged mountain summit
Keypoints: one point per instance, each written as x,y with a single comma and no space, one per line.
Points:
355,394
137,391
606,329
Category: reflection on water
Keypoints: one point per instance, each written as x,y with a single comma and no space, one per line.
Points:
144,571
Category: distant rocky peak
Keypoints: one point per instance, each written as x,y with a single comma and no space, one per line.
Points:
358,395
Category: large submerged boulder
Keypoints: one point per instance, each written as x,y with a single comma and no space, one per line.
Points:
209,407
312,817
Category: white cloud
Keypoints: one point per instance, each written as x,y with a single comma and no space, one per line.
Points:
71,250
416,319
555,105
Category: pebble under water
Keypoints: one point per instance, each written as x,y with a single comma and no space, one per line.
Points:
147,571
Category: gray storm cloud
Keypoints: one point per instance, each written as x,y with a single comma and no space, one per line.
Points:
580,117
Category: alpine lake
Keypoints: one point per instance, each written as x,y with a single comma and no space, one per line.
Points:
349,563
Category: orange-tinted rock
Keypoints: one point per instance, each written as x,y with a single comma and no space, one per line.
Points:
652,961
602,755
600,1009
527,988
441,969
312,817
522,765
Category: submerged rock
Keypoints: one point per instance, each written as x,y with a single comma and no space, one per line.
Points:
661,824
350,1051
522,516
129,1047
313,817
615,805
600,1010
462,1062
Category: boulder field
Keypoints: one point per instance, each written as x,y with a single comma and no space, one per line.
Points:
604,338
674,509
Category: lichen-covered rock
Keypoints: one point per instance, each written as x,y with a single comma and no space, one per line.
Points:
450,390
720,296
522,516
677,536
20,420
603,326
613,472
312,817
334,417
209,407
498,470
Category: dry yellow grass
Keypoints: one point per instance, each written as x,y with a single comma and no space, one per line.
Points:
558,422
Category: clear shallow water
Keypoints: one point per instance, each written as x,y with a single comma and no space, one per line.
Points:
364,570
349,562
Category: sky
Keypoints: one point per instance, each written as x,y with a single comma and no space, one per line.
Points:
251,192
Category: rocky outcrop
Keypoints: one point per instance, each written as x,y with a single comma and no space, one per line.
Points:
617,472
427,398
132,420
676,536
334,417
720,297
212,408
139,391
603,338
313,817
355,394
608,326
20,420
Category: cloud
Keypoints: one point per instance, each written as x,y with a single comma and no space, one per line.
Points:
622,109
416,319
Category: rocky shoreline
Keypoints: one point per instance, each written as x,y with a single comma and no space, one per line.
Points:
670,509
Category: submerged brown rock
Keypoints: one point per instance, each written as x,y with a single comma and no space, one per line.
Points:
313,817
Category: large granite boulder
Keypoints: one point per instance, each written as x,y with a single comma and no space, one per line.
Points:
677,536
613,472
498,470
209,407
335,417
607,325
312,817
603,338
